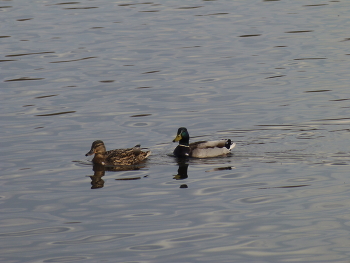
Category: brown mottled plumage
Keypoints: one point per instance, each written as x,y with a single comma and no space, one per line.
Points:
129,156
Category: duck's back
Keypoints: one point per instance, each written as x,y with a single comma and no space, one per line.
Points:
209,144
209,152
126,156
205,149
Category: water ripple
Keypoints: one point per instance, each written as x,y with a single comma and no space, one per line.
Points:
27,54
64,259
72,60
23,79
198,237
39,231
93,239
56,113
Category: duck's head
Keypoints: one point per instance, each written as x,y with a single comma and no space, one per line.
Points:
182,136
97,147
137,149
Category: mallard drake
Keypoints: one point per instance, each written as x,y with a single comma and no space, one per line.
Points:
202,149
130,156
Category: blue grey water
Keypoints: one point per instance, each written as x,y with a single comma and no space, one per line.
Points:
271,75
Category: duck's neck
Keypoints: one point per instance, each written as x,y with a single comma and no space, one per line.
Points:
99,158
184,141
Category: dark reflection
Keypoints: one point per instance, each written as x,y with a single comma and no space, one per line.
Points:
286,186
6,60
89,7
96,179
46,96
56,113
299,31
99,172
128,179
67,3
273,77
220,169
308,58
183,163
316,5
214,14
319,90
22,79
190,7
141,115
33,53
255,35
72,60
24,19
182,170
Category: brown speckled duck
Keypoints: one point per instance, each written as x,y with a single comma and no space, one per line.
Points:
129,156
202,149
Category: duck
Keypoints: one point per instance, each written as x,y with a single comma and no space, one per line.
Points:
129,156
201,149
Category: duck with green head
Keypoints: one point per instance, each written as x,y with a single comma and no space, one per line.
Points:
129,156
201,149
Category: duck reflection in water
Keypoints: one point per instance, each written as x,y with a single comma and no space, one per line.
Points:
99,172
182,171
96,179
183,167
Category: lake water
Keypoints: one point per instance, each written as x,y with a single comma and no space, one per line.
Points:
271,75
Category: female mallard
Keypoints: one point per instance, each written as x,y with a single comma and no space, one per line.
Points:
130,156
202,149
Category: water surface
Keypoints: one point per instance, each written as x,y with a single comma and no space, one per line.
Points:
271,75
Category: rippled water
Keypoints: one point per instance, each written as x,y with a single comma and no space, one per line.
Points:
271,75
